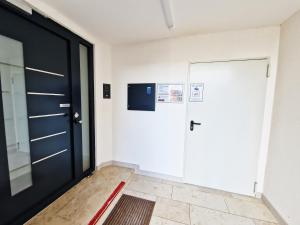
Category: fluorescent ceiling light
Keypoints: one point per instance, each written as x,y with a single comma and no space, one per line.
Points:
168,13
21,5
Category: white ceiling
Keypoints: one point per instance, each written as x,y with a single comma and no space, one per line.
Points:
128,21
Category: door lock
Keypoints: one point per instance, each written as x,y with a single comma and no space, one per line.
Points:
192,124
76,118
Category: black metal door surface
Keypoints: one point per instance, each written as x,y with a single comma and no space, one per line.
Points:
48,163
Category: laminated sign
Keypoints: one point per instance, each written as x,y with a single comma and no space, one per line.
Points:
196,92
170,93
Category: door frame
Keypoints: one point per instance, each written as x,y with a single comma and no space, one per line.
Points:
265,126
74,69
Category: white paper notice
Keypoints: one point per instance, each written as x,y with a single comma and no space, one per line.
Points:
196,92
170,93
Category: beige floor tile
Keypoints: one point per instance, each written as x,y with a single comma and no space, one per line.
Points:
203,189
96,180
250,209
246,198
160,221
137,177
82,212
259,222
83,217
215,191
79,205
103,190
140,195
194,196
59,203
172,210
70,210
203,216
57,220
150,187
174,183
54,220
116,173
93,204
84,206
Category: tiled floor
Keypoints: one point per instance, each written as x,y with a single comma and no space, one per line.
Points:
176,203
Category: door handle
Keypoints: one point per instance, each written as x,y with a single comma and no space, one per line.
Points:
192,124
77,121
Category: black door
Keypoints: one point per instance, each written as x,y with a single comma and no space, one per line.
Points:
40,134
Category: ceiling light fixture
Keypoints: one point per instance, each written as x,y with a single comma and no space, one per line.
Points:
168,13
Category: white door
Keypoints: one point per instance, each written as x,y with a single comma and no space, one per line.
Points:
222,152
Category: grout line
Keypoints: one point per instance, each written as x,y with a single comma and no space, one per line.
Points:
63,218
147,193
271,223
226,205
253,221
251,218
190,214
169,220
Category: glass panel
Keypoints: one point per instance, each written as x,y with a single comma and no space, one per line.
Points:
84,86
15,114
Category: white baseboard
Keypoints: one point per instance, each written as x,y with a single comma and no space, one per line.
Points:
135,167
104,164
160,176
258,195
137,170
120,164
273,210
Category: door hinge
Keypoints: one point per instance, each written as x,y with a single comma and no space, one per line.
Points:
254,187
268,69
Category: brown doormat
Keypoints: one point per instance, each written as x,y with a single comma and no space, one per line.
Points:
131,211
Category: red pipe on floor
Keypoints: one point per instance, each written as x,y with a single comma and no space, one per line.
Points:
104,207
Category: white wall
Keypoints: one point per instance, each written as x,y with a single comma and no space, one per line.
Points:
103,107
282,183
155,140
102,73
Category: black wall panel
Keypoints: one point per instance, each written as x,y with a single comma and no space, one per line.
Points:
141,97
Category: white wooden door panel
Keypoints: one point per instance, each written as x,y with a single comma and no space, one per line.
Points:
222,153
